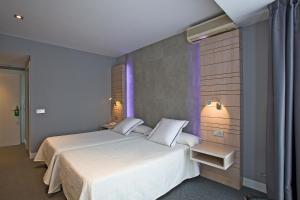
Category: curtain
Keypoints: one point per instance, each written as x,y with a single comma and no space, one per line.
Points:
283,137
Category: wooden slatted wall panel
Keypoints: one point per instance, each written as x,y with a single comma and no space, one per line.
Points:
220,78
118,92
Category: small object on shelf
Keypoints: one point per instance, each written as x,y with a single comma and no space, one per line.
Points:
215,155
110,125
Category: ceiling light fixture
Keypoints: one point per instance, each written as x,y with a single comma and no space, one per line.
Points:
18,17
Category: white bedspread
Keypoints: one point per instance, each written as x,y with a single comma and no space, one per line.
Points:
133,169
52,147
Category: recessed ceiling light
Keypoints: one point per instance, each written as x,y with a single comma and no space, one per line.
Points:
18,17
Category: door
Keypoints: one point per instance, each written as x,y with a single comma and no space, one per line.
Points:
9,107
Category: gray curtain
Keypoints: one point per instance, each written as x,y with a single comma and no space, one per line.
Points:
283,138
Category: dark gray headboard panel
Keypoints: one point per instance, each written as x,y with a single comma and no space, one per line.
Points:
164,80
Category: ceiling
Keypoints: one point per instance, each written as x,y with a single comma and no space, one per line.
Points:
106,27
246,12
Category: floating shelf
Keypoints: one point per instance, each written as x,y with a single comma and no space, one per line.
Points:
212,154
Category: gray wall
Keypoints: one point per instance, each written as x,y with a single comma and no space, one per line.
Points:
255,73
72,85
164,77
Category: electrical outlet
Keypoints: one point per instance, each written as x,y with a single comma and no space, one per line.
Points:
218,133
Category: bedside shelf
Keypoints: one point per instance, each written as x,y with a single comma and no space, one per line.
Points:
109,125
212,154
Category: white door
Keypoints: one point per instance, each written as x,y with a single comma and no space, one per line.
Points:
9,99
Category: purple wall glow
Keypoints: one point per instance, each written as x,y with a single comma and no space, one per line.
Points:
129,88
194,89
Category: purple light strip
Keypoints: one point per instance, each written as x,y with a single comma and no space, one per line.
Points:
129,88
194,91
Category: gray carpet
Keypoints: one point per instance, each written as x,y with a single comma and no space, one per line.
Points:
21,179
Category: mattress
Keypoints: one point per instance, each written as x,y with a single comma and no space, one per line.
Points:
133,169
52,147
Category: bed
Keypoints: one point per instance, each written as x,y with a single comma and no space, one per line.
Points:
130,169
52,147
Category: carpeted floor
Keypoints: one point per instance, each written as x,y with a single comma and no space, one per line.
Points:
21,179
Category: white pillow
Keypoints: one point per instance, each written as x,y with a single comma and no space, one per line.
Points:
188,139
146,130
127,125
167,131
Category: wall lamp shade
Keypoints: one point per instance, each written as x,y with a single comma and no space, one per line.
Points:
218,105
112,100
209,102
217,102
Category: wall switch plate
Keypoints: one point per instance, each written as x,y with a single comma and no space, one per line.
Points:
218,133
40,111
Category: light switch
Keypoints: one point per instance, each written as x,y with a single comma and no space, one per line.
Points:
40,111
218,133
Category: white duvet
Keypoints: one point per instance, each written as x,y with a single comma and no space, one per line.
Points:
134,169
52,147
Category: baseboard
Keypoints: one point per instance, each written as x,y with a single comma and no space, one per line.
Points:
254,185
32,155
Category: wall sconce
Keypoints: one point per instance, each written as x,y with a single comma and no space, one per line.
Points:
218,103
115,102
112,100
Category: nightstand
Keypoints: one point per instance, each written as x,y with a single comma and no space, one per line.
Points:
213,154
110,125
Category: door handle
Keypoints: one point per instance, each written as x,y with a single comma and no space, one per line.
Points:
16,111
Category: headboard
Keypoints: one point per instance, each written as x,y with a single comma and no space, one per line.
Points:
221,82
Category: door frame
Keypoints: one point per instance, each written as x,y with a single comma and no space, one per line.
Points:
26,119
28,108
